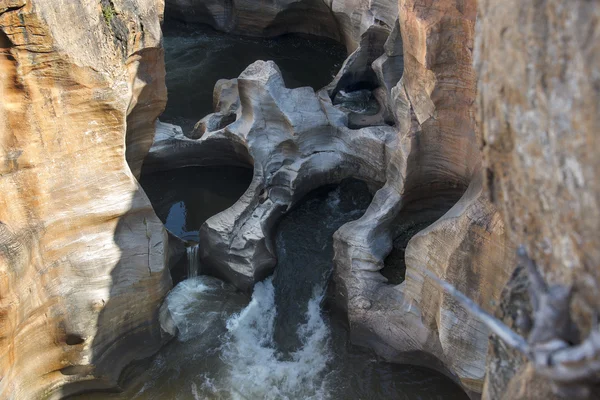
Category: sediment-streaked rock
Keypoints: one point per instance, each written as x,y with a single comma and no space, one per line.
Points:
410,321
82,254
436,160
299,141
538,67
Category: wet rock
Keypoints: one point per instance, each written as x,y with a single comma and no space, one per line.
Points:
358,101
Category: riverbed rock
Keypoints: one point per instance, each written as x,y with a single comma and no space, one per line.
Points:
299,141
82,254
343,20
538,67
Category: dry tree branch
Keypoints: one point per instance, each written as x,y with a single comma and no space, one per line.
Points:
572,368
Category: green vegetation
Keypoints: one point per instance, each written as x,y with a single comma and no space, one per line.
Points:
108,12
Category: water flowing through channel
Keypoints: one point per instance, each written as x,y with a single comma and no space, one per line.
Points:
280,344
193,259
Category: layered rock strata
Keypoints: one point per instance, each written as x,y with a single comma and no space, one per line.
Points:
82,254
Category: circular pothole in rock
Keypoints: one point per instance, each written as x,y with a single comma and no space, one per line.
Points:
185,198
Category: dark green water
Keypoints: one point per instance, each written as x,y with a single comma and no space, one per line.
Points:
228,346
186,197
197,57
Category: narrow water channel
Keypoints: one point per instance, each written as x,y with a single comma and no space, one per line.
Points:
279,344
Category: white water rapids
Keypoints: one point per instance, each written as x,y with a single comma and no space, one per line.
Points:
251,366
280,344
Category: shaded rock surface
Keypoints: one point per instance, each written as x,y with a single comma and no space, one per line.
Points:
82,254
344,20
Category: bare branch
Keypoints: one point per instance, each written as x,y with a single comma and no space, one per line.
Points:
504,332
572,369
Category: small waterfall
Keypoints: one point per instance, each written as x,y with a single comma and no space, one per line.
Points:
193,265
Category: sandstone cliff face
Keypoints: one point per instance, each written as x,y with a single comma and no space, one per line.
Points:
82,254
437,158
539,97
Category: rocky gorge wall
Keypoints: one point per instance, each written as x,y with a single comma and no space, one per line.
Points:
421,149
83,257
82,254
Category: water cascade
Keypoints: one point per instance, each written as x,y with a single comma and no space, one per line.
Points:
281,344
193,261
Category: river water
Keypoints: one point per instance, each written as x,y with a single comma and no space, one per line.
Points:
280,343
197,57
186,197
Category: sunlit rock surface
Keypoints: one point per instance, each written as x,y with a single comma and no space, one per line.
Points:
421,145
435,161
538,67
82,254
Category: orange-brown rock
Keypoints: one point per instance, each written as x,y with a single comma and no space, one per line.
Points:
468,248
435,159
538,65
82,254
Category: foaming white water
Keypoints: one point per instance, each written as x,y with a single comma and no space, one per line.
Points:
182,302
199,306
256,370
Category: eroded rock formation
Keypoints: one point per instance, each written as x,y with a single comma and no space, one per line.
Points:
83,257
437,158
345,20
423,83
298,141
82,254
